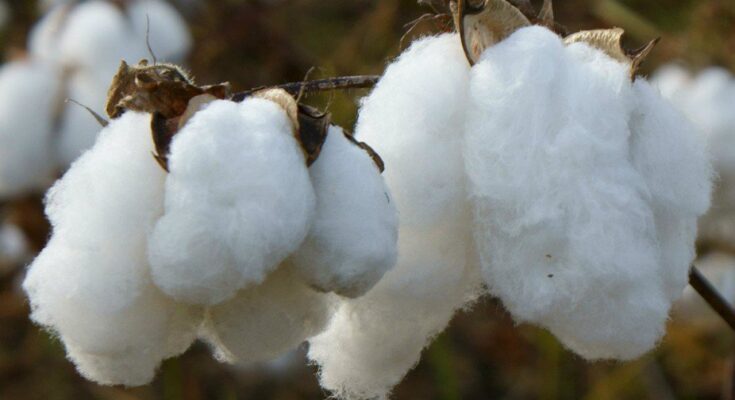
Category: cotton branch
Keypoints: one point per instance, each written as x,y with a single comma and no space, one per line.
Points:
712,296
320,85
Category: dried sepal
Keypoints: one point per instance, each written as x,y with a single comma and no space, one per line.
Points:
369,150
546,14
162,88
481,26
314,126
163,129
285,101
610,42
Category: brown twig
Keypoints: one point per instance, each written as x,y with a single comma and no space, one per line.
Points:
319,85
712,296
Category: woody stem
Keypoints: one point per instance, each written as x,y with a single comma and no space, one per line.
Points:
712,296
319,85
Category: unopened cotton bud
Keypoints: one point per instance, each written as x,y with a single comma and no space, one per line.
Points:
91,283
353,238
238,202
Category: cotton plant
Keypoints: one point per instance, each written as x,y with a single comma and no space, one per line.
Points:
73,51
537,164
196,216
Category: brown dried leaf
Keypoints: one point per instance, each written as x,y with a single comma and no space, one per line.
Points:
481,26
610,42
162,88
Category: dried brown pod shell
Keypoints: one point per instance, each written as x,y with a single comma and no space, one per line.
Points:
610,42
371,152
481,26
285,101
162,88
313,130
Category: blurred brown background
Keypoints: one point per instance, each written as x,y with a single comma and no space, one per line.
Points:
483,355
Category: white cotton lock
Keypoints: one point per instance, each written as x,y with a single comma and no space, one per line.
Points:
91,284
96,35
26,151
167,31
577,226
238,202
707,100
353,239
263,322
413,119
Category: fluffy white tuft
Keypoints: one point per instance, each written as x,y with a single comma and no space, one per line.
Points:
238,202
91,283
264,322
27,94
413,119
571,222
353,240
167,32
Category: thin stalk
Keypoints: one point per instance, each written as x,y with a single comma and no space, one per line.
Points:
319,85
712,297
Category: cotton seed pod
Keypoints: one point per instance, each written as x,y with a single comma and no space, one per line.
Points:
579,223
238,202
352,241
91,283
264,322
414,120
26,151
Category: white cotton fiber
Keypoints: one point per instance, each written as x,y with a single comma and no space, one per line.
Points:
413,120
96,36
91,283
79,128
28,92
567,227
264,322
238,202
168,33
708,99
672,157
353,239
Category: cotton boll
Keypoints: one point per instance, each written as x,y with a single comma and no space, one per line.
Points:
96,36
671,80
373,341
414,119
263,322
78,127
353,239
238,202
43,37
673,159
168,33
91,283
14,247
565,233
27,95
